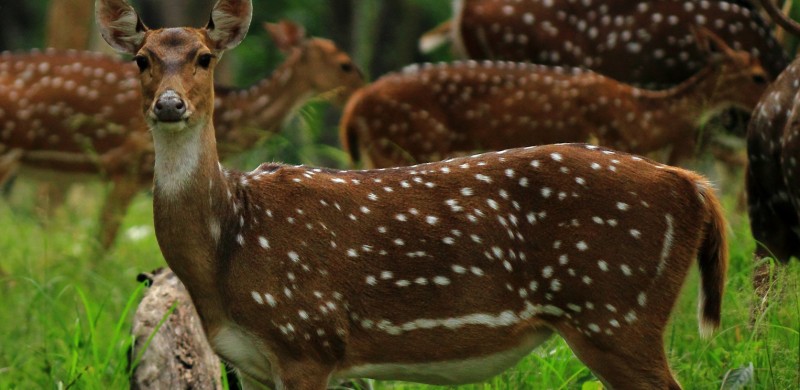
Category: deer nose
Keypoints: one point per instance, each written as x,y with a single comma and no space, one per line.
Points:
169,107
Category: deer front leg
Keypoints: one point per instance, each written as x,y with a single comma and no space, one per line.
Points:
123,190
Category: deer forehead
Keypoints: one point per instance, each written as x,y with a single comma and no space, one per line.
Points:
175,46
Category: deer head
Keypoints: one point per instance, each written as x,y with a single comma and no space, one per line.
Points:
317,57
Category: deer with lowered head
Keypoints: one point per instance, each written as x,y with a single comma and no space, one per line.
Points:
429,112
440,273
639,42
65,115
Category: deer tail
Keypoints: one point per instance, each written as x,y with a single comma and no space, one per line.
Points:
712,261
348,128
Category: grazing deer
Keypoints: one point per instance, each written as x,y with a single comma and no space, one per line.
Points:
68,112
641,42
440,273
435,111
773,190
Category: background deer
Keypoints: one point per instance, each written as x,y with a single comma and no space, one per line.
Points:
773,149
430,112
67,112
301,275
647,43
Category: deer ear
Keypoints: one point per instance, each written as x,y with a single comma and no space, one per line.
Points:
286,34
119,25
229,22
711,43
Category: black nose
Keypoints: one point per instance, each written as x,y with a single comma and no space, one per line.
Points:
169,107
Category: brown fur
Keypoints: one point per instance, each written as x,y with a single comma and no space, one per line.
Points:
301,275
537,33
430,112
771,179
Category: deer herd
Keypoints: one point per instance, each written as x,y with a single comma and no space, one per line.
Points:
502,204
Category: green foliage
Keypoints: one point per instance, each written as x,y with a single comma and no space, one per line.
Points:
66,316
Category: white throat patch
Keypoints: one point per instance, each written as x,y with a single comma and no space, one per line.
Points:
177,156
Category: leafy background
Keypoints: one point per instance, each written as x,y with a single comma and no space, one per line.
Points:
65,316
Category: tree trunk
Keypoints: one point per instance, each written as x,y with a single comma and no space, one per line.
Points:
178,355
69,24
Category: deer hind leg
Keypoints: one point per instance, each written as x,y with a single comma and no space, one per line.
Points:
51,196
302,376
635,360
9,163
123,191
768,278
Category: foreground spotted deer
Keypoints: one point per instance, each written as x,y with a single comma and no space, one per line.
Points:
78,113
642,42
440,273
430,112
773,189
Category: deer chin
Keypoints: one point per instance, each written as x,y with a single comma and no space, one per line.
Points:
179,126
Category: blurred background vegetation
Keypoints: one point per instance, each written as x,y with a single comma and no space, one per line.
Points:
380,35
67,312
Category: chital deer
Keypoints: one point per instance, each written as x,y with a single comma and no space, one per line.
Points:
773,147
430,112
641,42
440,273
68,112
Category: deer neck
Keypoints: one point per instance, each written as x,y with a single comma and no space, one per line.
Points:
191,206
265,105
689,99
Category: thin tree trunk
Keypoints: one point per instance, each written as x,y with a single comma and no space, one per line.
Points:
69,24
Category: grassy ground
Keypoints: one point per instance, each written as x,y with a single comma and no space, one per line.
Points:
66,314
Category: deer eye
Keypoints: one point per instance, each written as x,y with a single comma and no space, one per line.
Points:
142,62
204,60
346,67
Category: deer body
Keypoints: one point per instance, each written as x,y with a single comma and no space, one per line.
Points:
430,112
773,193
360,279
301,275
80,113
647,43
72,112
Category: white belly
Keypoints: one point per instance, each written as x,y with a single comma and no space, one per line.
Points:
450,372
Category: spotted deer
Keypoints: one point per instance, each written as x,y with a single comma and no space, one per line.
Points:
773,148
429,112
66,114
644,43
440,273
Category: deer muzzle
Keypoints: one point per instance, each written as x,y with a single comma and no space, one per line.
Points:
169,107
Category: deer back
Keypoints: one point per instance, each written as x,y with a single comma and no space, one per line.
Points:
647,43
430,112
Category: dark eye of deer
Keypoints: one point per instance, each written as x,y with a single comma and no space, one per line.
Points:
142,63
204,60
346,67
759,79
